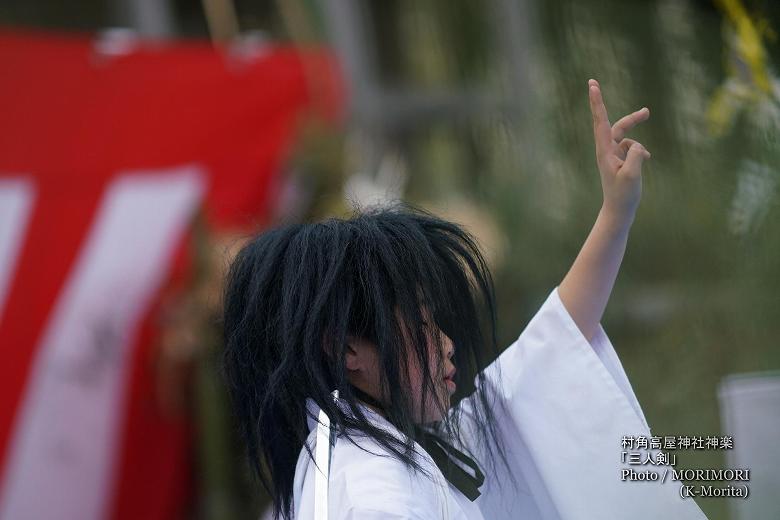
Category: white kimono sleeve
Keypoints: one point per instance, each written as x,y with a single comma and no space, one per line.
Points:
563,405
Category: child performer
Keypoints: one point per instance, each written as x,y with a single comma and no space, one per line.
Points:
361,323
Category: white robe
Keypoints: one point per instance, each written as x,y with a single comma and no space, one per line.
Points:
568,406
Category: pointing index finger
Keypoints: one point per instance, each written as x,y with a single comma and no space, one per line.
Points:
602,131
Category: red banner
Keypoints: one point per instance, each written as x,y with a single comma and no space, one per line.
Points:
106,153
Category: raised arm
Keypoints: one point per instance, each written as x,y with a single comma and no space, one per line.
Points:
559,392
585,289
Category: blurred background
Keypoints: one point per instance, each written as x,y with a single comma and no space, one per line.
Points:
142,141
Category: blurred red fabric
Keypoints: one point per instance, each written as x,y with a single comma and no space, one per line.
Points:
74,118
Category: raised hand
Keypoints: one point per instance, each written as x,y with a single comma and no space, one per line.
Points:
619,158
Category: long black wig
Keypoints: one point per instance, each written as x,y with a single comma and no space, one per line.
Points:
295,293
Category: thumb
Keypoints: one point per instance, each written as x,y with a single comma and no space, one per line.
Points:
634,158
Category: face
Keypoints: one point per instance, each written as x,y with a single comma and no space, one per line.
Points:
364,372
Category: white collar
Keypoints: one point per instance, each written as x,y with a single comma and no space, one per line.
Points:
314,410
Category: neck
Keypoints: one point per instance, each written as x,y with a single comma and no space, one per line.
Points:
369,401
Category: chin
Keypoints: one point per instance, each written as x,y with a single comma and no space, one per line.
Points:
435,415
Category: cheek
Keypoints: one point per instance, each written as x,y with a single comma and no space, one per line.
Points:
416,376
436,398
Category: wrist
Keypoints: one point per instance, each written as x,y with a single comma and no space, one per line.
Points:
616,219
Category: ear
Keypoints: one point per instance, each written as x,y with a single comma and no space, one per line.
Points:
326,347
354,353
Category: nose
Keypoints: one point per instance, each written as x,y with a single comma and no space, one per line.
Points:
449,346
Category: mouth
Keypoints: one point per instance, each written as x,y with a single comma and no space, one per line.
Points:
449,379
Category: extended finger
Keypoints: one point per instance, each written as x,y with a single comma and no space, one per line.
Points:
602,131
626,123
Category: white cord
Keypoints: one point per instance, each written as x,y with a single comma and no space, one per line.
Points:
322,455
